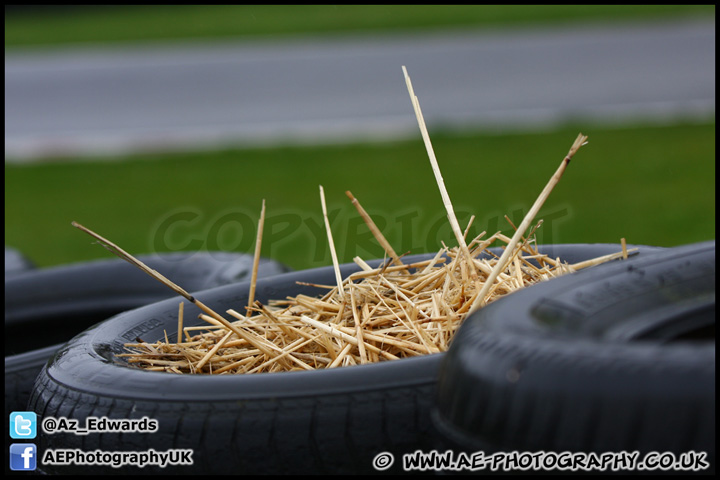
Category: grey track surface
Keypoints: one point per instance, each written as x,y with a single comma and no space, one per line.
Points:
121,100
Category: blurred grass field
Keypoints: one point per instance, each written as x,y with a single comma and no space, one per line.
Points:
82,24
653,185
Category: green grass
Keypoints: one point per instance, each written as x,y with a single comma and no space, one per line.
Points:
653,185
113,24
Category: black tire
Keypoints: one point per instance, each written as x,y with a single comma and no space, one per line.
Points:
324,421
46,307
56,303
620,357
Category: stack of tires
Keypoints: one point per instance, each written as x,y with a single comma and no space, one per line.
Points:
46,307
618,357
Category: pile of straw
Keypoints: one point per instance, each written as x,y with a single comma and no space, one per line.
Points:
386,313
394,311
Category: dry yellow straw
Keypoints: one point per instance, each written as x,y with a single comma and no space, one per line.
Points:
256,258
438,176
374,229
509,250
181,308
107,244
336,265
126,256
394,311
624,248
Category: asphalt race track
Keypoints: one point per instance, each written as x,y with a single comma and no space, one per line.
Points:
120,100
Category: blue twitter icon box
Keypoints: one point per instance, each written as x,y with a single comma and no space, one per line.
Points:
23,425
